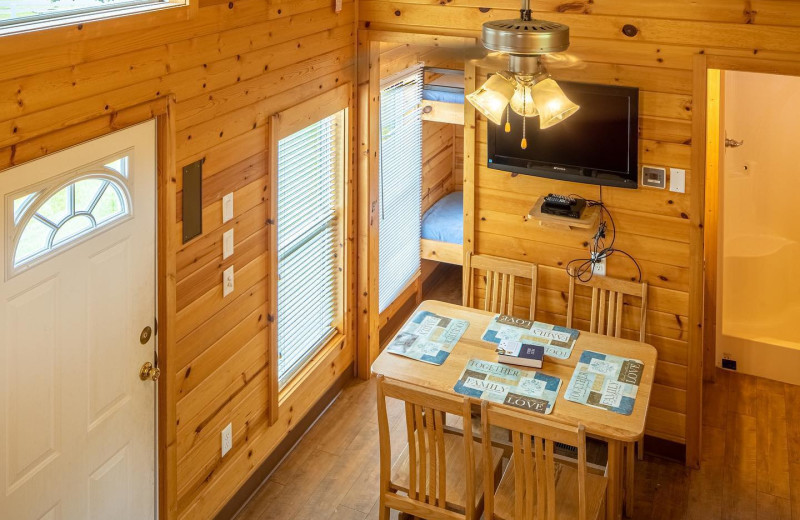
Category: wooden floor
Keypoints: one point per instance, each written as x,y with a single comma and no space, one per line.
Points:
750,470
751,463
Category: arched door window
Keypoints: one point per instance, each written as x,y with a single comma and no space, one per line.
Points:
48,218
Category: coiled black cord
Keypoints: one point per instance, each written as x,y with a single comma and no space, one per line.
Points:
583,268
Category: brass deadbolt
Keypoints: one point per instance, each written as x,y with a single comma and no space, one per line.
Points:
144,337
149,372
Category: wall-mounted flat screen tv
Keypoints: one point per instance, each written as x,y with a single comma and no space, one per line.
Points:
596,145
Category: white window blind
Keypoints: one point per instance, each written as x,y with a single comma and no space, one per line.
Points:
24,11
308,168
400,185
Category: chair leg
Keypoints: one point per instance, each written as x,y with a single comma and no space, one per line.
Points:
640,448
383,511
629,466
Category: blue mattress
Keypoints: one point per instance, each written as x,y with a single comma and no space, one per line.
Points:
440,95
444,221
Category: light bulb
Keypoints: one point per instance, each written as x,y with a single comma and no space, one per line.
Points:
522,101
554,106
492,98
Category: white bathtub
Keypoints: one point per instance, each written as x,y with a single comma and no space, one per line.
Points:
760,306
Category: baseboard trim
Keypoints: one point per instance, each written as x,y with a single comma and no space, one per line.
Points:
265,470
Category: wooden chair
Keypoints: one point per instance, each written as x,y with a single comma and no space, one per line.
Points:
437,476
534,485
606,318
501,278
607,303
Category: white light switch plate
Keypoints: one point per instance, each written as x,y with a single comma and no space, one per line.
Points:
227,281
227,439
677,180
227,207
227,244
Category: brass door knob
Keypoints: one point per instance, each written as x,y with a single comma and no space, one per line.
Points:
149,372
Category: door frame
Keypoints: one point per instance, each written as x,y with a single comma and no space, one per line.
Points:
367,116
713,119
705,198
162,109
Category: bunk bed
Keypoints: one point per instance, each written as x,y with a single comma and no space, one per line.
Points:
443,95
443,230
443,223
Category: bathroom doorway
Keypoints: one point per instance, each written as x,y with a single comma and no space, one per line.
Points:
752,236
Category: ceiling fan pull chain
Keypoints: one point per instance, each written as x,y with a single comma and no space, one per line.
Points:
524,143
508,119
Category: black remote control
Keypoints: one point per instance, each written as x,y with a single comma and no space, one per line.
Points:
559,200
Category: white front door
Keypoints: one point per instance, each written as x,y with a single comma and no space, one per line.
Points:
77,425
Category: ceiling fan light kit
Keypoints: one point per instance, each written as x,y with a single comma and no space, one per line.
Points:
526,87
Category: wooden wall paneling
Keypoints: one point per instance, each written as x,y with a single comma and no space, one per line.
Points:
225,71
458,159
437,162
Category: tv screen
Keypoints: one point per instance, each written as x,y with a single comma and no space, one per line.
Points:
596,145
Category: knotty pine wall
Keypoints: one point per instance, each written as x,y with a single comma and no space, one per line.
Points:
655,226
438,162
229,68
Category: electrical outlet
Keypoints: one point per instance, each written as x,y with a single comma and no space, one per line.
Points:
227,207
227,281
227,244
227,439
599,267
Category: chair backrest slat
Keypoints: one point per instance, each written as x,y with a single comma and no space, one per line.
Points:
608,302
502,275
533,440
425,431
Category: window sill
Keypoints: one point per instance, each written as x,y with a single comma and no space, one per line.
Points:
336,343
101,23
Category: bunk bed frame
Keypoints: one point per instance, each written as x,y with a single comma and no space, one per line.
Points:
443,102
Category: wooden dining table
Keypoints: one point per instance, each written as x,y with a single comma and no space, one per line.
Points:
616,429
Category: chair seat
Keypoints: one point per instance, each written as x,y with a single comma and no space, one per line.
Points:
566,494
455,477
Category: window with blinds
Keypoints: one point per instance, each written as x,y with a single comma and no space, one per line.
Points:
400,186
309,164
13,12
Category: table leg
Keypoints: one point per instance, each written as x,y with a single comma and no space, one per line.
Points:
614,491
630,461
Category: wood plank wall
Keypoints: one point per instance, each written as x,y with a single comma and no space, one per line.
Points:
655,53
438,162
229,68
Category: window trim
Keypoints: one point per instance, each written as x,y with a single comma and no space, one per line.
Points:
127,18
44,190
284,124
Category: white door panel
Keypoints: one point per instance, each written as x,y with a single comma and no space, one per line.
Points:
76,423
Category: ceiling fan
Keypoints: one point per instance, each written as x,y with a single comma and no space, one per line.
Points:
525,87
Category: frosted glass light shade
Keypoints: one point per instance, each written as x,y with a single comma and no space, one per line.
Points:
522,101
552,104
492,98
